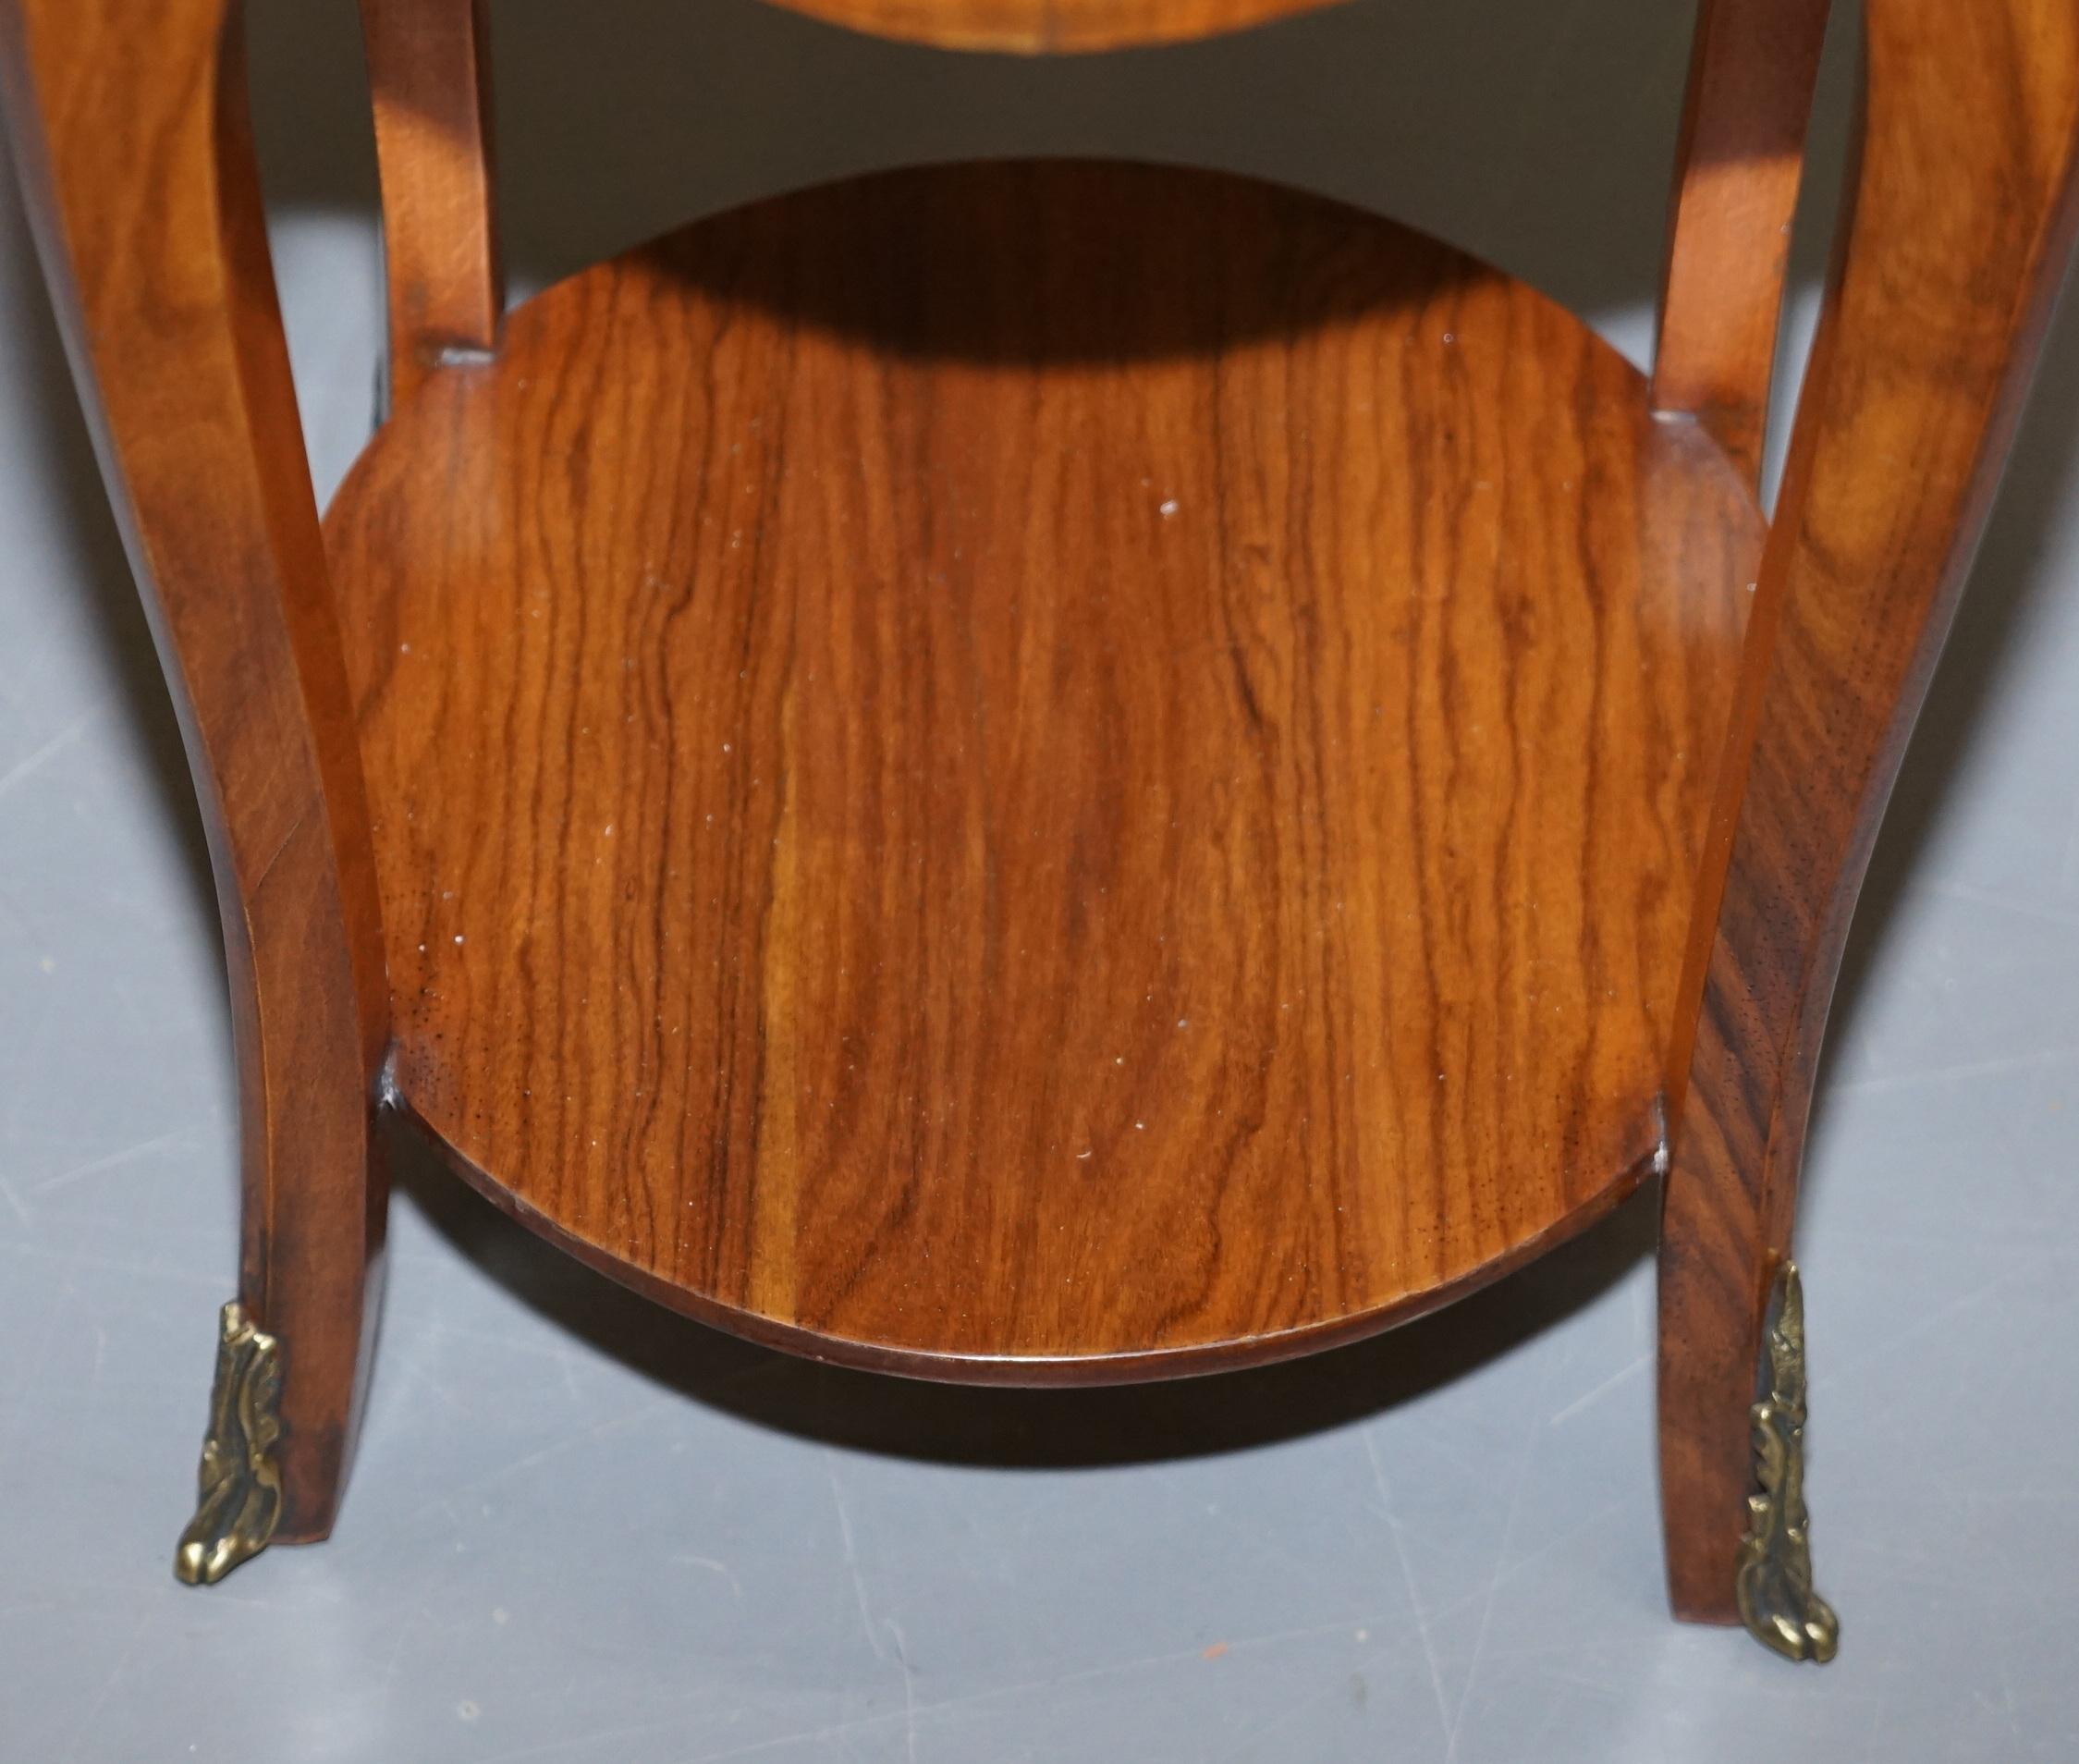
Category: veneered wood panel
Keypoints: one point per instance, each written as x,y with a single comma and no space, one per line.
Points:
1737,172
1957,232
429,81
1034,772
129,128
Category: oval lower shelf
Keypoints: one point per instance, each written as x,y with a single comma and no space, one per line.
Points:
1042,772
1042,27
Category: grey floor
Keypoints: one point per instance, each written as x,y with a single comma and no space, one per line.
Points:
580,1531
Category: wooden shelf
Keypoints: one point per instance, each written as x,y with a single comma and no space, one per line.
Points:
1042,772
1032,27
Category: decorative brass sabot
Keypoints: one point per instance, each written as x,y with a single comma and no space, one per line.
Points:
1777,1602
241,1485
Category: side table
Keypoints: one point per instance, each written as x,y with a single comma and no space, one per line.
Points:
1058,772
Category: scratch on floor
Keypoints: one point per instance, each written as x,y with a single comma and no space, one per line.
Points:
202,1280
50,749
1057,1681
1970,896
1933,1319
115,1672
1305,1705
1564,1538
851,1556
114,1161
586,1742
1602,1389
566,1361
1992,1068
1408,1580
909,1690
708,1563
542,1454
34,932
1534,1433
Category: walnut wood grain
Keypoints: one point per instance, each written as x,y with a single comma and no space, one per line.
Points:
1962,211
129,132
1034,27
429,83
1042,772
1738,167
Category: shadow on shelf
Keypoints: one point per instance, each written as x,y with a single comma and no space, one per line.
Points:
1052,262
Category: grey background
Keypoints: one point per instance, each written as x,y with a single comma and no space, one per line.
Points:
582,1531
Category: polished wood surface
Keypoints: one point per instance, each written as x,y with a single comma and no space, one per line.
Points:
1737,172
429,83
1958,233
129,132
1033,26
1044,773
1056,771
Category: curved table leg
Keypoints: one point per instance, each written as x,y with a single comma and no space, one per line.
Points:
1962,211
129,131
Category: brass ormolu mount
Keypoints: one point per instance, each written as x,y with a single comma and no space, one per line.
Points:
242,1485
1777,1602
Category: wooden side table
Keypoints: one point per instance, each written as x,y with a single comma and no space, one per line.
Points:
1044,773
